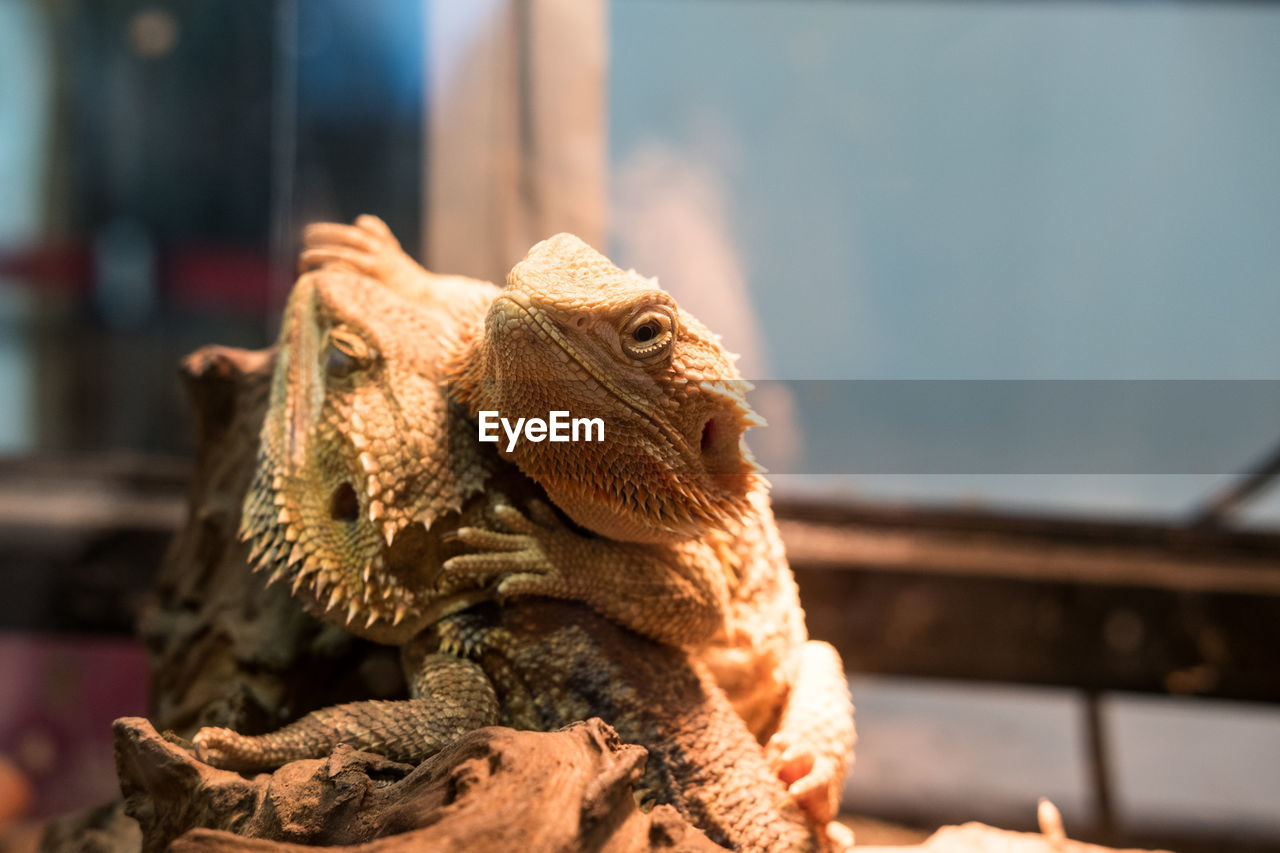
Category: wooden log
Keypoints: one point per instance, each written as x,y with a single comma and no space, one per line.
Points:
493,789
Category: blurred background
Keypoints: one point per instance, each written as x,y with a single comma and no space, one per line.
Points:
1003,273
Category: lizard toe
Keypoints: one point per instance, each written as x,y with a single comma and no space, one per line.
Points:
817,793
526,583
839,837
375,226
540,512
513,519
513,563
337,256
331,234
489,540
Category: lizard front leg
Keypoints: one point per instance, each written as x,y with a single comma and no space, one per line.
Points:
451,696
812,747
673,594
367,247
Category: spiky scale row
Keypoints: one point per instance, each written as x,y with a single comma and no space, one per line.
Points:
279,548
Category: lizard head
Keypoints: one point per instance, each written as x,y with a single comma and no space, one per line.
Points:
347,482
573,333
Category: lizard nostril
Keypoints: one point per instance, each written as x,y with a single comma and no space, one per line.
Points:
344,506
708,434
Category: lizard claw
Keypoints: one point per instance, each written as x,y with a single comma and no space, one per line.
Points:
377,227
812,781
523,583
839,837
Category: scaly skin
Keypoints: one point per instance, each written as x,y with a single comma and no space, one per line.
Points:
451,696
554,663
323,438
789,691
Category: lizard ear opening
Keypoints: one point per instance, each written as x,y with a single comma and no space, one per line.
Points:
343,505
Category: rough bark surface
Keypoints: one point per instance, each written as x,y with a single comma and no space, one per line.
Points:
494,789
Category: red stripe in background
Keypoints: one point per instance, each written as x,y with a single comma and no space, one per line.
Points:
224,278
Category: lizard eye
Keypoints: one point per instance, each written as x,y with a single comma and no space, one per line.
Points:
649,336
346,353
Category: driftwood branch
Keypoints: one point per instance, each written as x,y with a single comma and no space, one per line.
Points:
493,789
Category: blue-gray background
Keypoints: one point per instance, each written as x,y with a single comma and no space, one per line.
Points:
947,190
847,190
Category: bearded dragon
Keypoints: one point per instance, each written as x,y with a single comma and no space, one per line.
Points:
573,332
373,565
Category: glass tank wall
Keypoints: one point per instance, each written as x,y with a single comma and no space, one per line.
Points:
970,191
